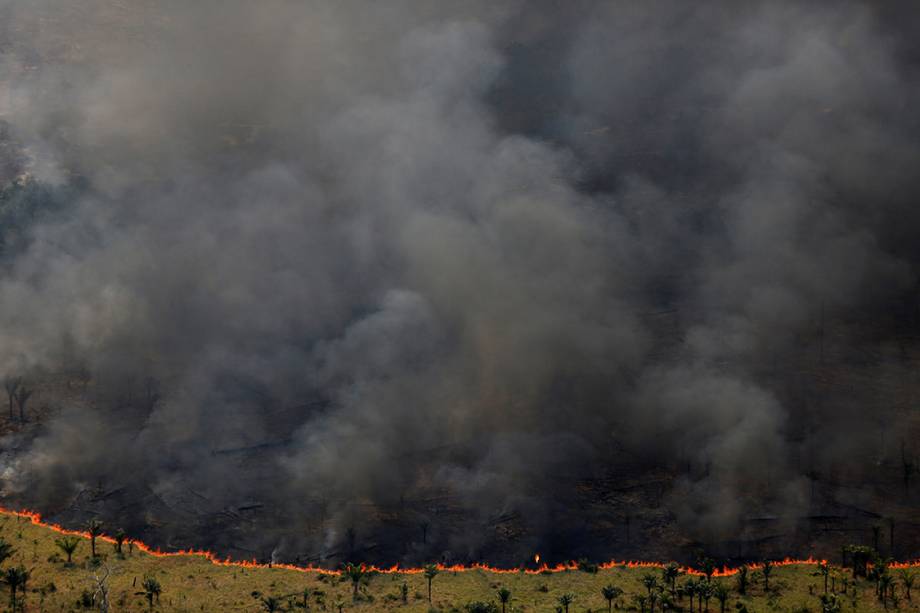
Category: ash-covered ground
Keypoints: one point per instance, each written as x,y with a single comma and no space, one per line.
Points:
406,281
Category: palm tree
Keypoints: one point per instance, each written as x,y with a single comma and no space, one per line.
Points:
94,529
565,600
11,386
879,570
708,567
355,572
669,574
68,544
120,537
706,593
24,576
766,570
271,604
650,582
742,579
824,570
15,577
884,583
721,593
6,551
152,590
22,397
907,580
611,593
690,587
640,599
431,571
504,596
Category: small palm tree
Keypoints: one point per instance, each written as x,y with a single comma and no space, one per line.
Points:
830,604
94,529
120,537
565,600
721,594
706,591
504,597
355,572
707,567
152,590
6,551
766,570
611,593
271,604
68,544
669,574
15,577
825,570
907,580
650,582
690,589
641,600
742,580
431,571
884,584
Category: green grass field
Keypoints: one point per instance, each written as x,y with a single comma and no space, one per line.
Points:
192,583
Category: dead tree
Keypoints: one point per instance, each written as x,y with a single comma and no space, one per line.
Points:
101,589
12,385
22,397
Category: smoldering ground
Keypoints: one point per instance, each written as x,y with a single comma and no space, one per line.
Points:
354,261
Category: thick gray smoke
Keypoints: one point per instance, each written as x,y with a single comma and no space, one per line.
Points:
445,263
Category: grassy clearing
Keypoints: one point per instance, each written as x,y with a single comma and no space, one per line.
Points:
191,583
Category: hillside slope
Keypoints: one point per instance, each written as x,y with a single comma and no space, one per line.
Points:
192,582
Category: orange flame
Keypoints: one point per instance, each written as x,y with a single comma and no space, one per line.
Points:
36,519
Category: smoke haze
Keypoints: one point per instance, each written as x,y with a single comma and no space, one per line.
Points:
394,273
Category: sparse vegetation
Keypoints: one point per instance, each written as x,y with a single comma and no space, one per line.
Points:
68,544
134,584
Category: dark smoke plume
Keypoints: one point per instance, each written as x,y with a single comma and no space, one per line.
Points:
350,261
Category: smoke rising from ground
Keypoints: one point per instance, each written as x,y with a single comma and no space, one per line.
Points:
413,250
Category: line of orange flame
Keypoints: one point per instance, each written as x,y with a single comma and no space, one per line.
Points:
724,571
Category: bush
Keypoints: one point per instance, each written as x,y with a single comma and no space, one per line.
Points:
481,607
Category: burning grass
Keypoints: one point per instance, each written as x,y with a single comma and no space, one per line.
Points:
199,581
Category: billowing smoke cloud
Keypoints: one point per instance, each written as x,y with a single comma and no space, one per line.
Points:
406,276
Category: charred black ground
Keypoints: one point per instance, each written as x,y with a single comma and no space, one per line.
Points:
407,281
